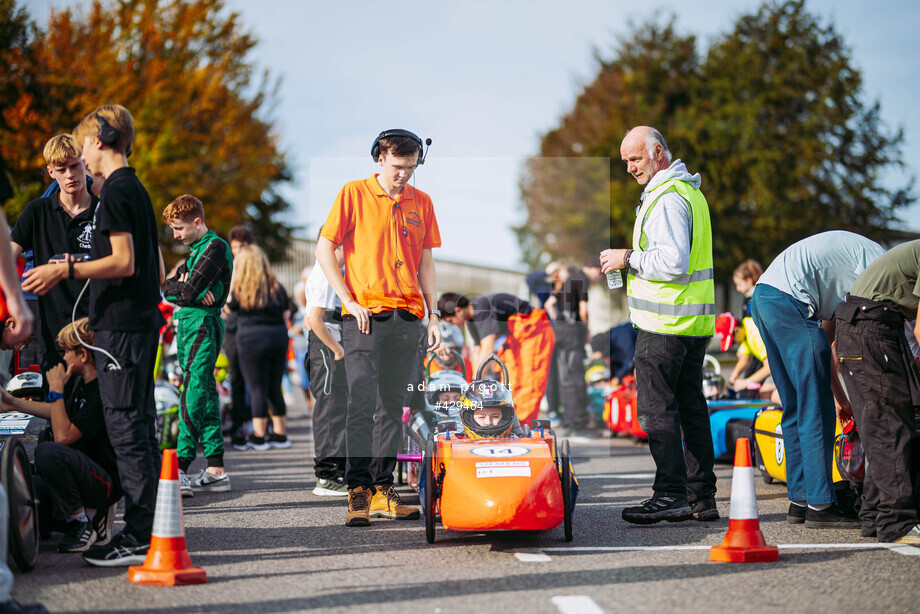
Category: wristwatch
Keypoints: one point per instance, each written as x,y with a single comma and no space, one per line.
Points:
53,396
435,312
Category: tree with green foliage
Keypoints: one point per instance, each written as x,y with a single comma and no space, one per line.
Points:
182,68
788,146
773,118
577,208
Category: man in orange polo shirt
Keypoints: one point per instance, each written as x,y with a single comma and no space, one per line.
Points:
387,229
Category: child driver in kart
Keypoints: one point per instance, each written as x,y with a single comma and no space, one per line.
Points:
487,411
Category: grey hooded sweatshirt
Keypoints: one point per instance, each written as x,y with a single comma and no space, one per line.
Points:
668,229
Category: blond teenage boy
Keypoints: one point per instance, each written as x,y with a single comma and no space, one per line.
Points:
57,224
125,267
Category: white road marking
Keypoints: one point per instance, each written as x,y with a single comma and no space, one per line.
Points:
538,555
617,476
576,604
904,549
597,504
531,556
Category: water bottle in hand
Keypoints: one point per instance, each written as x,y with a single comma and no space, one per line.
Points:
614,279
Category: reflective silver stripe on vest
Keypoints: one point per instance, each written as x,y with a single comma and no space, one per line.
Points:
664,309
683,280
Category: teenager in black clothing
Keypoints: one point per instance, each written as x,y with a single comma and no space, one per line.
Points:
567,307
78,467
486,317
262,307
57,224
239,237
126,265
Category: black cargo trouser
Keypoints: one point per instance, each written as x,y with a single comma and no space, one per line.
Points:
377,364
880,375
130,419
73,479
330,389
673,411
569,355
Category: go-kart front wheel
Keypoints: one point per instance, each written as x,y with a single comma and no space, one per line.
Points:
430,489
565,459
16,477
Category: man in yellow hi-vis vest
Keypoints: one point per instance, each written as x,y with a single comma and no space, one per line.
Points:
672,303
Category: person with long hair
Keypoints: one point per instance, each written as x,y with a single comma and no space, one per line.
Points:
262,308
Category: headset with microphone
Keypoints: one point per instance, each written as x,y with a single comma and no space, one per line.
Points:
422,153
108,134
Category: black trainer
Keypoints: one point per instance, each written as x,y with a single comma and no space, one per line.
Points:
796,514
831,518
658,508
277,441
79,537
705,509
124,549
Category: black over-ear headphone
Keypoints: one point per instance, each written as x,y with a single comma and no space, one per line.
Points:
375,148
107,133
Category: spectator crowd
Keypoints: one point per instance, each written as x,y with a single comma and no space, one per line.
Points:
828,331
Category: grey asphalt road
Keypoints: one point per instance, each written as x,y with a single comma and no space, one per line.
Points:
271,546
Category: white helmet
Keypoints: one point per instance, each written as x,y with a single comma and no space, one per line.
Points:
445,380
27,384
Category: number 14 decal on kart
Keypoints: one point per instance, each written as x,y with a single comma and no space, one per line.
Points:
500,451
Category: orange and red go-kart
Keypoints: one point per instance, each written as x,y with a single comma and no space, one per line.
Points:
519,483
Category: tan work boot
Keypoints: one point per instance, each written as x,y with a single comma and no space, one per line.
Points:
912,537
359,500
385,504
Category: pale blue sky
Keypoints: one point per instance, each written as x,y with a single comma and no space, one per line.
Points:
485,78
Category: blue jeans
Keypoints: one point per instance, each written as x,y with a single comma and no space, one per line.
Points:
799,354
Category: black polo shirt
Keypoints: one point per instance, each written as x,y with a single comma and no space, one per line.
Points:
83,404
127,304
47,229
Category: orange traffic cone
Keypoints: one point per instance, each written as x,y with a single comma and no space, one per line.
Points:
744,543
168,562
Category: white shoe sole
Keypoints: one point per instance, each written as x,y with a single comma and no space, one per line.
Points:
83,548
324,492
134,559
220,486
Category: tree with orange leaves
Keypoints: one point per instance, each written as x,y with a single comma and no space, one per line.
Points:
182,68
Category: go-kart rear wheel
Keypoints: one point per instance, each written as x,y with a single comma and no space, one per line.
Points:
430,489
16,477
565,458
